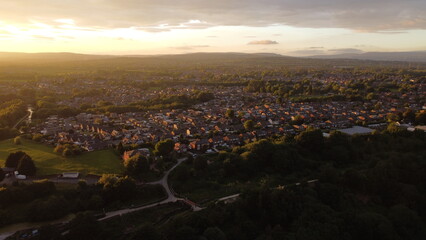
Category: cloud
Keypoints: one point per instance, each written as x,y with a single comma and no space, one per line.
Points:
42,37
392,32
359,15
4,32
65,21
345,50
262,42
312,51
190,47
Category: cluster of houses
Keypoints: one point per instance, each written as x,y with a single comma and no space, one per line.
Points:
206,127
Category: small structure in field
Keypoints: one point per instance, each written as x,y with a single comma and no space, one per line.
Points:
70,175
229,199
356,130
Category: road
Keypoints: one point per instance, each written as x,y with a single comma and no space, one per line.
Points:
171,197
28,115
164,182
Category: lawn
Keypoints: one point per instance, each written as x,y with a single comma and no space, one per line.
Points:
48,162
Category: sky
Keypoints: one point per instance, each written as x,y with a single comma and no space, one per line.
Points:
289,27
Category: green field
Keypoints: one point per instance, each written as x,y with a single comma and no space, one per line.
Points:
48,162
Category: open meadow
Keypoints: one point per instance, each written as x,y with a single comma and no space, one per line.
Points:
48,162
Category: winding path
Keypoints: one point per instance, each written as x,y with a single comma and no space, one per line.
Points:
27,116
171,197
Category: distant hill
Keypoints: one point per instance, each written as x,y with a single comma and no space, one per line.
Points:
22,65
419,56
10,57
48,57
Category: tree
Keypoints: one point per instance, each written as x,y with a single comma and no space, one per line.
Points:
182,173
117,188
59,148
297,120
338,138
6,133
147,232
48,232
136,165
22,162
371,226
185,233
67,152
37,137
393,117
102,103
421,118
214,233
394,128
249,125
48,209
85,106
96,202
230,113
13,159
17,140
2,174
84,226
200,163
204,96
370,96
26,166
407,223
120,148
311,139
164,147
409,116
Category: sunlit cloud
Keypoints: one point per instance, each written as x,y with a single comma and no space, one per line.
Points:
367,15
263,42
65,21
345,50
152,25
191,47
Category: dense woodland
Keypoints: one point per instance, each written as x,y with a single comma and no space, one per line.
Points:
368,187
43,201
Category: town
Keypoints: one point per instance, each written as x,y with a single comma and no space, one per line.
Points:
213,120
122,149
220,123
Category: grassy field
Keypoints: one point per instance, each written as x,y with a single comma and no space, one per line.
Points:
48,162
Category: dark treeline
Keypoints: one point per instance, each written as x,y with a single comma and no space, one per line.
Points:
368,187
42,201
11,112
161,102
47,105
312,89
39,66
